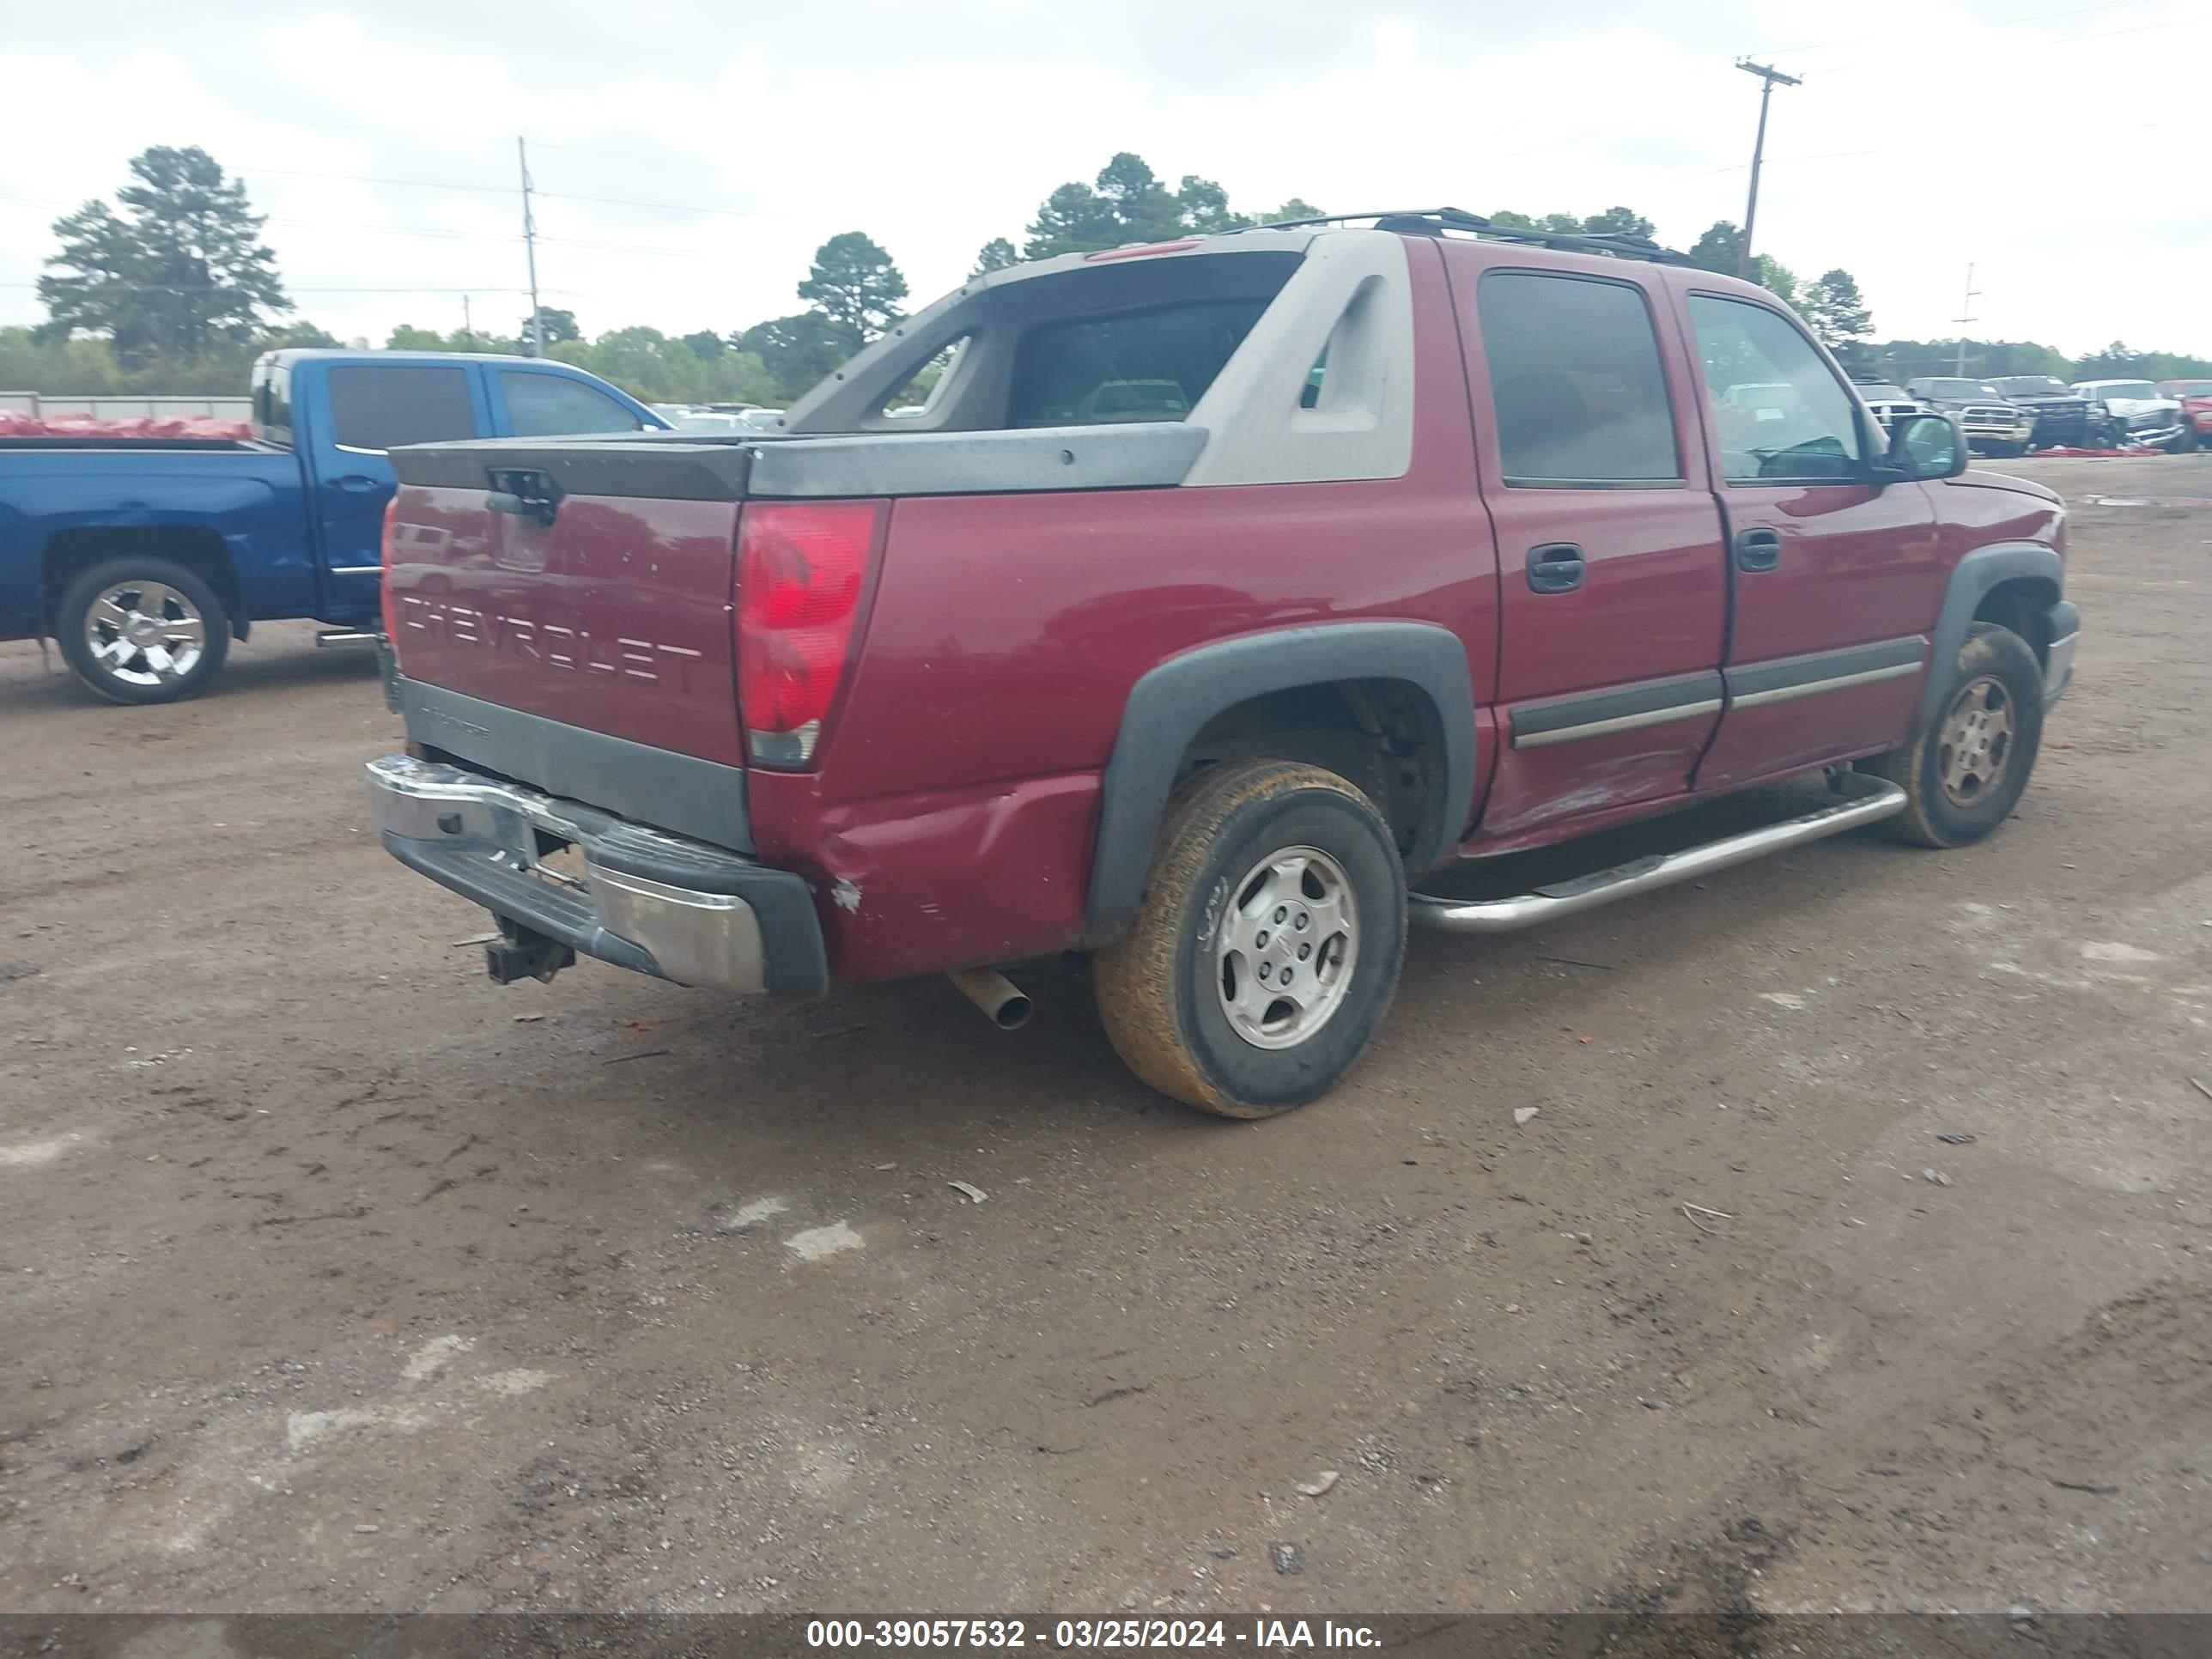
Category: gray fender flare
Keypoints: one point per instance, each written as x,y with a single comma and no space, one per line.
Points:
1169,705
1972,579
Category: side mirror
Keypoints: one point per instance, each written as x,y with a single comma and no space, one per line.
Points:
1923,447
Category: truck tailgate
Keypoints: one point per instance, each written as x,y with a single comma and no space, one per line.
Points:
615,617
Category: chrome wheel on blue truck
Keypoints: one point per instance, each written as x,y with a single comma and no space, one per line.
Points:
142,630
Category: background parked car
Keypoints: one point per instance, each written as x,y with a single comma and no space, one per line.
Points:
1992,425
2060,416
2194,398
1889,401
2134,411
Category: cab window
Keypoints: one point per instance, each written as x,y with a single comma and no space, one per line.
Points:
1575,379
376,406
273,403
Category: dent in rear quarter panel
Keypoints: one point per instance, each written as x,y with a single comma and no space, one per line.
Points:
958,789
951,877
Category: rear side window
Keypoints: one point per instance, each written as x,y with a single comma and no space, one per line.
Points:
373,406
1152,365
1779,409
551,405
273,403
1575,382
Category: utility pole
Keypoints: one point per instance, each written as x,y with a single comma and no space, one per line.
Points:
1966,306
530,247
1769,77
468,325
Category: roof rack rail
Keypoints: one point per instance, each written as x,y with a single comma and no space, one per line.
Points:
1434,221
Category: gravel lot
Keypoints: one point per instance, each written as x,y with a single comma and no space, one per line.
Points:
337,1279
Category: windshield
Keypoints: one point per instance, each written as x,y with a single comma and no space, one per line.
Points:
2031,385
1961,389
1875,391
2189,388
2124,389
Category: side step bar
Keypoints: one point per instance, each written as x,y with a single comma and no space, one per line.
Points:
1867,800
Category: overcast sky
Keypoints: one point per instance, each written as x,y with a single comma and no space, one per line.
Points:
691,156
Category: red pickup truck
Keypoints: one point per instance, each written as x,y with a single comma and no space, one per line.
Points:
1219,592
2195,399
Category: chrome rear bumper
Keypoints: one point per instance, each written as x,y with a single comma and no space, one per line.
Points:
623,892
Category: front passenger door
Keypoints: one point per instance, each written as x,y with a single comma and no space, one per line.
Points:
538,403
1835,580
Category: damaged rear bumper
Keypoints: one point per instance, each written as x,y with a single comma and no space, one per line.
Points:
629,895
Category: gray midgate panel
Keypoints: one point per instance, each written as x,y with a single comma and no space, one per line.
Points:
979,463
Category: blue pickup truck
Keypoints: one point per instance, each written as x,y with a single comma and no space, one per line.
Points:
143,558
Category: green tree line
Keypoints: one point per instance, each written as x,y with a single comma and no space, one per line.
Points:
172,289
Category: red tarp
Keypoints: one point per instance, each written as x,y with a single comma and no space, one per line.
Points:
2101,454
15,424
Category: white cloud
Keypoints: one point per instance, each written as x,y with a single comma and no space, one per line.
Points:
2053,151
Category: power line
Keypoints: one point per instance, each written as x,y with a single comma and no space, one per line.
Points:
1990,23
662,155
289,288
1861,65
662,207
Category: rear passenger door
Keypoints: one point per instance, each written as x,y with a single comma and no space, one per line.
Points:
1837,579
363,410
1613,584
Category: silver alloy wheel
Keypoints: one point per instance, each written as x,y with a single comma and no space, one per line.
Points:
1287,948
1977,740
145,633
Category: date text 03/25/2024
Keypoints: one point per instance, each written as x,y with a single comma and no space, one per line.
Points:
1256,1635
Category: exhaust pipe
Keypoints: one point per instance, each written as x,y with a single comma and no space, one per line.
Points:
1001,1001
333,637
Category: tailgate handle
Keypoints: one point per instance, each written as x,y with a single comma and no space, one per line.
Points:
527,492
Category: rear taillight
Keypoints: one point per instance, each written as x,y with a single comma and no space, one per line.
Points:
391,616
800,572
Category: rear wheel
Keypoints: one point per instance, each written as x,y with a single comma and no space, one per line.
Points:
142,630
1266,949
1963,776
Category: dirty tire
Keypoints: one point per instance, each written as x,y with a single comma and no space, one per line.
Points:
1159,990
1933,816
191,597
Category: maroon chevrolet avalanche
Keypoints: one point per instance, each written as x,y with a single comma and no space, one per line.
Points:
1200,602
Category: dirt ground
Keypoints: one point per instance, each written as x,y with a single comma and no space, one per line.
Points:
334,1278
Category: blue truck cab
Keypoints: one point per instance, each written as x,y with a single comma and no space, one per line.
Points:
143,558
